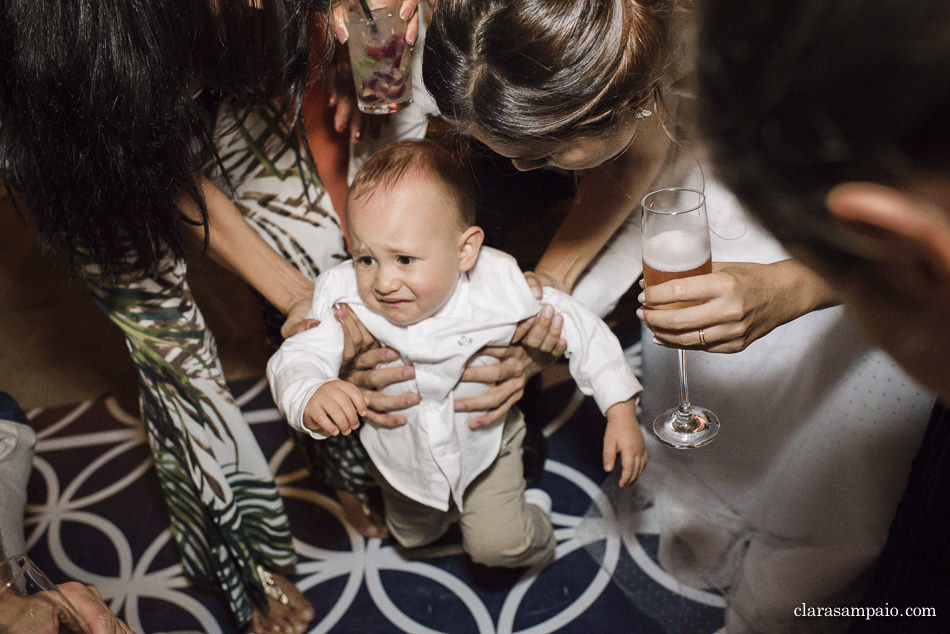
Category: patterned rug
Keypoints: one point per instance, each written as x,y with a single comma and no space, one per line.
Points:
96,514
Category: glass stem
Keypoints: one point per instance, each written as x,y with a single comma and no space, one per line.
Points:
685,423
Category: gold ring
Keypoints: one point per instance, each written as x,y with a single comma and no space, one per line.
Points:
702,339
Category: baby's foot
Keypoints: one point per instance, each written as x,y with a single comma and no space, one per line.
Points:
289,612
361,516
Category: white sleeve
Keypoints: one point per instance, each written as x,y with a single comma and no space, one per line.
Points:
594,354
306,361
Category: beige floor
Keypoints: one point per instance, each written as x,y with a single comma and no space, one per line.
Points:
56,347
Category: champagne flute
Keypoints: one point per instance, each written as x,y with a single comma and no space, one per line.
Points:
675,245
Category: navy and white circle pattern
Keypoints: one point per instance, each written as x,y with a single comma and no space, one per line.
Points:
96,514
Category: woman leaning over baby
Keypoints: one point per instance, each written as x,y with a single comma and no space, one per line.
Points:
792,501
128,129
132,127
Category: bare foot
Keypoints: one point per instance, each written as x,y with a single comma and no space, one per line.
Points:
288,618
361,517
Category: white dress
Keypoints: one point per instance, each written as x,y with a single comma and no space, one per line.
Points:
791,503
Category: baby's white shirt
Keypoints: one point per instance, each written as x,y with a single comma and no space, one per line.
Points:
435,456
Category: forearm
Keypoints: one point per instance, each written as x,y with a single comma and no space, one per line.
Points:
606,195
236,246
588,226
805,289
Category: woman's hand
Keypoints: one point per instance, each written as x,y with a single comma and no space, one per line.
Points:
407,11
361,356
91,607
537,342
339,76
734,305
296,320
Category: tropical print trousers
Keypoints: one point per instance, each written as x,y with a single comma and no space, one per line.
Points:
227,516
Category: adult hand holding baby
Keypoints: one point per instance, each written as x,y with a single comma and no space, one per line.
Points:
362,356
536,343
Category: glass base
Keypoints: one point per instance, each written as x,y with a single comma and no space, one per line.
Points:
695,431
386,108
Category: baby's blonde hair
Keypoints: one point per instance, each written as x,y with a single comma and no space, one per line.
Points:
386,167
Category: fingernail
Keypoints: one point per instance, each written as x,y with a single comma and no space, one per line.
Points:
557,321
642,297
639,313
405,12
657,341
548,310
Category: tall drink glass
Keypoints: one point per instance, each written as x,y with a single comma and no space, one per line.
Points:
379,56
30,602
675,245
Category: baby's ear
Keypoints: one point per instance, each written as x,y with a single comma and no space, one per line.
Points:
469,244
913,228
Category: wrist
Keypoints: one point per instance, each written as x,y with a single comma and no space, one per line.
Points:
624,410
812,291
562,279
299,291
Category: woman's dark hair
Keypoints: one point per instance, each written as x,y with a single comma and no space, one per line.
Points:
799,97
550,70
101,132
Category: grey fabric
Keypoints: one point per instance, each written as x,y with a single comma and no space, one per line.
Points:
16,458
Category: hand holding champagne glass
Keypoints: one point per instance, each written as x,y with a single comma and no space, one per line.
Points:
675,245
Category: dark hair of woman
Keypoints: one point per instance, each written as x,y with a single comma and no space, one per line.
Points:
101,132
544,69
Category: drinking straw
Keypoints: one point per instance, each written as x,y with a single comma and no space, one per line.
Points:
369,16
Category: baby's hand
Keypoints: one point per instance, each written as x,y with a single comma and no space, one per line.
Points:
623,436
335,408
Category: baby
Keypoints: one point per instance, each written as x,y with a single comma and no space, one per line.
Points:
422,283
